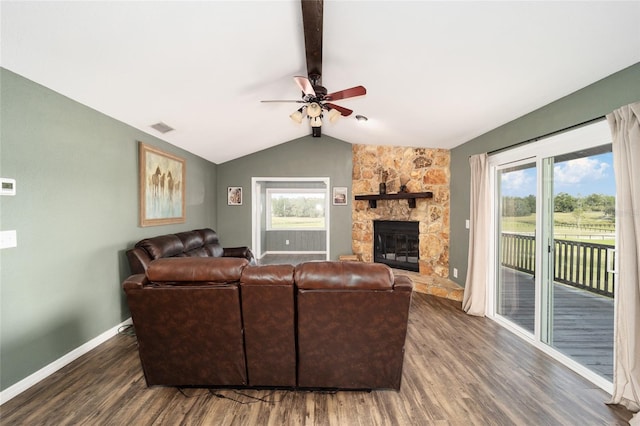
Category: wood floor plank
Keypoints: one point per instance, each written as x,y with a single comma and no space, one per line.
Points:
459,370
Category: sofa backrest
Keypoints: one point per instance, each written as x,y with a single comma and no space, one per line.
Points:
211,242
162,246
183,271
196,243
343,276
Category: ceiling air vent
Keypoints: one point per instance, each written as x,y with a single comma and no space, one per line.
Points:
162,128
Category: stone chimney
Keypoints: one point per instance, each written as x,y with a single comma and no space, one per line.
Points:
419,170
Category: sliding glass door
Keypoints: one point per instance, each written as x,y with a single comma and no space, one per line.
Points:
582,254
554,225
516,221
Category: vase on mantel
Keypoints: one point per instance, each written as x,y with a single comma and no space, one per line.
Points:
383,188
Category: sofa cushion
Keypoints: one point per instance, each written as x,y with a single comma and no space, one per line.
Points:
343,276
186,270
191,240
211,242
162,246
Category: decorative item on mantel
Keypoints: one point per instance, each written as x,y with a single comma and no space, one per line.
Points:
384,175
403,187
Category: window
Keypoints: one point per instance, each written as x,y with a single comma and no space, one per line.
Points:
296,209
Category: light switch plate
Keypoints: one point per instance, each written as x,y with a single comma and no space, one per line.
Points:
8,239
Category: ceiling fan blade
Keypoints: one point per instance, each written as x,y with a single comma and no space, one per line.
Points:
312,22
285,100
305,85
346,93
344,111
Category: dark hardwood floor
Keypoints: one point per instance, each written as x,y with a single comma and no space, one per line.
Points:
459,370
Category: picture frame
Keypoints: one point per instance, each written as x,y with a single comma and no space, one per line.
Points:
162,183
234,195
339,196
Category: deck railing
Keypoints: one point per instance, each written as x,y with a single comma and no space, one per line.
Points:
578,264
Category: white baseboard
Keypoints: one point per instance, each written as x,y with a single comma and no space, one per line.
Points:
56,365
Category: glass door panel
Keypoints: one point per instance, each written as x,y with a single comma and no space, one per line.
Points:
582,243
516,242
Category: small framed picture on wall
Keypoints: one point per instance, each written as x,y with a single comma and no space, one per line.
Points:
234,195
339,196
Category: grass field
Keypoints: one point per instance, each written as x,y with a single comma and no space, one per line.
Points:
297,222
593,227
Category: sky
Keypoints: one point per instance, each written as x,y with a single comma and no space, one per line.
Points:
578,177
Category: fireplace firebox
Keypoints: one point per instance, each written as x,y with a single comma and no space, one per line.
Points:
397,244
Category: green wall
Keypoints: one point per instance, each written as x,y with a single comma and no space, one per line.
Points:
593,101
75,212
304,157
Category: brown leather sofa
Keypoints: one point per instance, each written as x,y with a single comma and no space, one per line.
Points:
196,243
351,326
220,322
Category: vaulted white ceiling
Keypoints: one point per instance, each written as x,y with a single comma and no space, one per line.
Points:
437,73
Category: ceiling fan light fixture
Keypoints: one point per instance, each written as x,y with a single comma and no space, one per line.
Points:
314,110
297,115
315,121
334,114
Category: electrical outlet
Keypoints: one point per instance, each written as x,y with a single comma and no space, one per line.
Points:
286,242
466,224
455,272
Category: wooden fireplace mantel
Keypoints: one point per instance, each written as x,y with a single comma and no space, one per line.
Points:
409,196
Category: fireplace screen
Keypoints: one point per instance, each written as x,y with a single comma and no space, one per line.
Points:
397,244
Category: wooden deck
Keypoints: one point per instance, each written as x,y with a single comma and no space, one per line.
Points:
582,321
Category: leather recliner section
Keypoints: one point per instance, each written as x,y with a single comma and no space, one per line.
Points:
268,312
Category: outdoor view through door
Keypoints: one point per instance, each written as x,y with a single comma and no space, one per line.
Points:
291,219
555,226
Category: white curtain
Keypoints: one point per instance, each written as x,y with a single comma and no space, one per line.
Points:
625,130
475,288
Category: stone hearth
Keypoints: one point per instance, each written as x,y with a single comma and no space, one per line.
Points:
419,170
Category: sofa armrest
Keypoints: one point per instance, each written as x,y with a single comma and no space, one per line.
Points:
403,283
138,260
244,252
134,282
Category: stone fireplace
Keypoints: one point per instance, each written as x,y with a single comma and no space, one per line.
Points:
417,170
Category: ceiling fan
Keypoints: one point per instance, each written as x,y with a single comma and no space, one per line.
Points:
315,98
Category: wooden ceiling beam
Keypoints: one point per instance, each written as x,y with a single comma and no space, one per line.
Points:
312,11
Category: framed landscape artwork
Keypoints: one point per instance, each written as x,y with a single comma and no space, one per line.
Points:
162,187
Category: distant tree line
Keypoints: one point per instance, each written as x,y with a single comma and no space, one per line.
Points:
562,203
297,207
